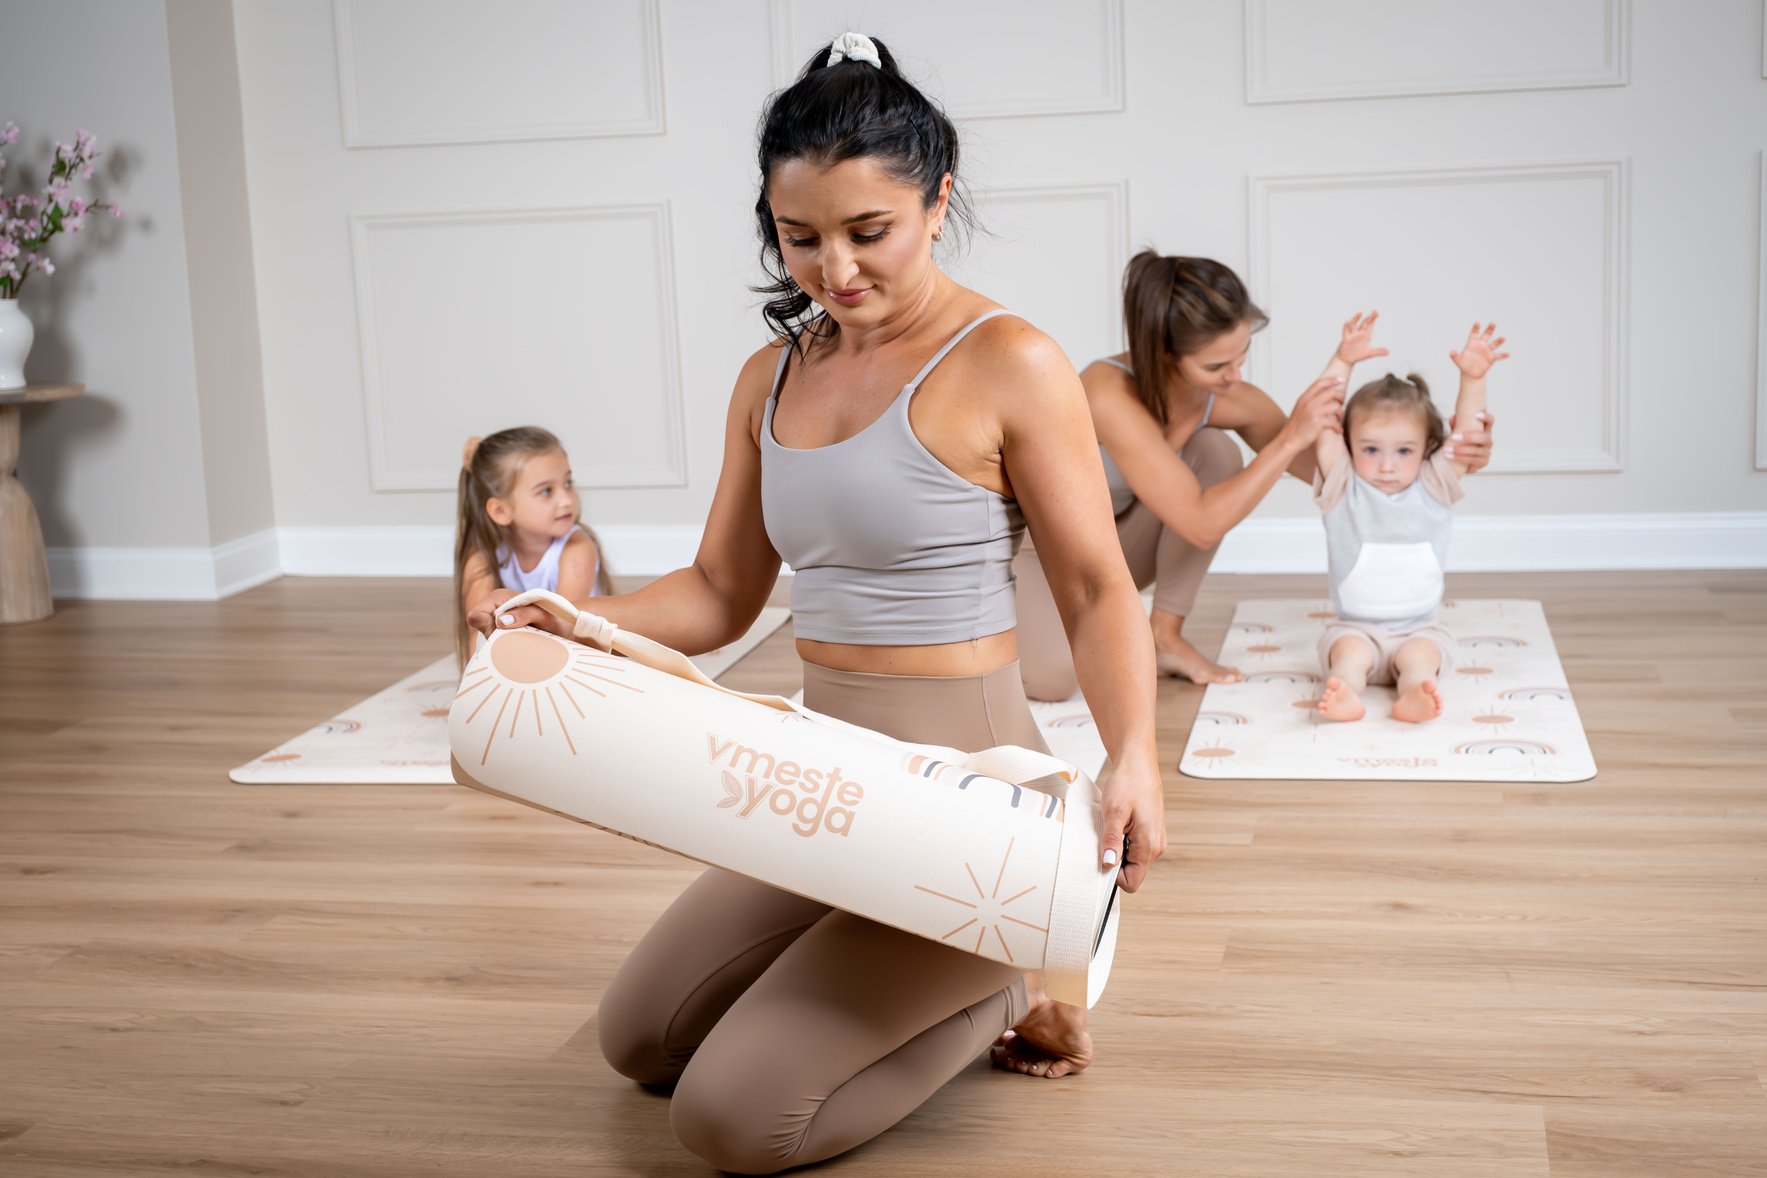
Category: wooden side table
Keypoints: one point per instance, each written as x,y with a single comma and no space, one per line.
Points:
24,569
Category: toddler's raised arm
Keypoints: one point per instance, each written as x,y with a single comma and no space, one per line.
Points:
1355,346
1474,360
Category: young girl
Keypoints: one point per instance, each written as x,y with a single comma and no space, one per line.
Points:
518,527
1386,502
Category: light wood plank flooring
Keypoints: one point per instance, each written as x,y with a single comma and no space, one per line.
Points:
1322,978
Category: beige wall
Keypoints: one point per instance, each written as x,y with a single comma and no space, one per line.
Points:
156,483
548,218
218,251
123,465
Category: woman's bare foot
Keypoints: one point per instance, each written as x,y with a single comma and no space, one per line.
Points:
1338,702
1051,1041
1423,702
1176,656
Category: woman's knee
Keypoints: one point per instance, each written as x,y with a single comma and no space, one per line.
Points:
631,1031
732,1127
1214,456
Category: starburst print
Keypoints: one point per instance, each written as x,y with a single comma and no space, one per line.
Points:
989,910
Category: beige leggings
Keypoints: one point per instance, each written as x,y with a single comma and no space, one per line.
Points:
792,1031
1157,556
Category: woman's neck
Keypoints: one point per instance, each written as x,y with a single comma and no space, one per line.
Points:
915,314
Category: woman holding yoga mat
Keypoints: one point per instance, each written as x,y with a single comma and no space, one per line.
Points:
892,443
1163,411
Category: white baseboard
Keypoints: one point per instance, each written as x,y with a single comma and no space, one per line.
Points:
165,574
1529,543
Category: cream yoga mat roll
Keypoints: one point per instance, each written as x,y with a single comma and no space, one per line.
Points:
995,853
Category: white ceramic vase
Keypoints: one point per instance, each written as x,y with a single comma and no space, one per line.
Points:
15,344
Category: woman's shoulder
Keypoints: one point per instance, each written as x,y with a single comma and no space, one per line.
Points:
1242,404
1015,348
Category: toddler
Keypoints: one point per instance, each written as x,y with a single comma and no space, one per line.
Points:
1385,486
518,525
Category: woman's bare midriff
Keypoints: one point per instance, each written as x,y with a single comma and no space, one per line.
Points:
976,656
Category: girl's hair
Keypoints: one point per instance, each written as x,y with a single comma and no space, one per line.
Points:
832,113
1393,394
1172,307
488,470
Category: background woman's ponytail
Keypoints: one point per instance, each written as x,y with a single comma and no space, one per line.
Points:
1172,307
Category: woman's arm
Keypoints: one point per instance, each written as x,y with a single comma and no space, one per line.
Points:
1051,462
1159,477
713,600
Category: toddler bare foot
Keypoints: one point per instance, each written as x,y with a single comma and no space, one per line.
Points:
1051,1041
1176,656
1338,702
1423,702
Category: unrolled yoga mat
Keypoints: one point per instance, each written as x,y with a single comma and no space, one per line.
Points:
1507,710
400,736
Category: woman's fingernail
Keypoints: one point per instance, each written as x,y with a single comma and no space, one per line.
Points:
506,620
1453,437
1110,857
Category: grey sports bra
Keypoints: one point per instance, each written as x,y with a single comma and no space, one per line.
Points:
1122,497
890,546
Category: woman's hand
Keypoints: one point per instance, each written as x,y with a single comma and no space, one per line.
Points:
488,615
1471,446
1357,344
1320,408
1135,818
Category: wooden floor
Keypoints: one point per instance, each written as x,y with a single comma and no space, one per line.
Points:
1335,978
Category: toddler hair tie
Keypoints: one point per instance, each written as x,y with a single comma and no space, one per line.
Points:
853,47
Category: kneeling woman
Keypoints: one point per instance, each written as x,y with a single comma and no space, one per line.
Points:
1163,412
891,443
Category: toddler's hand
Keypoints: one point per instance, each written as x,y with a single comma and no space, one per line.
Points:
1479,352
1356,344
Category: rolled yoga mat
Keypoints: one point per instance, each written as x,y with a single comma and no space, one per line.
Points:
995,853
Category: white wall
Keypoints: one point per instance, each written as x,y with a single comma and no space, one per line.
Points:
154,483
541,211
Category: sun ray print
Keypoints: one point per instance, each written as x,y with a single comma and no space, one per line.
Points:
518,673
989,908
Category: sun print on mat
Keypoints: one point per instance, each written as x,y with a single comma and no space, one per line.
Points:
538,682
987,912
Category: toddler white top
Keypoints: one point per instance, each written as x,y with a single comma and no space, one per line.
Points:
1385,553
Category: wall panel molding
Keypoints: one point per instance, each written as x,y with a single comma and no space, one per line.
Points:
1761,323
629,463
1366,81
1516,454
1034,95
364,127
1064,268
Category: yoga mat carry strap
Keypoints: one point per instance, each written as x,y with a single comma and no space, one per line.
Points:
594,630
994,853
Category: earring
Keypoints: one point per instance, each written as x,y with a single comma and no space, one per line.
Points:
937,234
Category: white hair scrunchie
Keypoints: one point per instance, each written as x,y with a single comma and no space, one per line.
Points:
853,47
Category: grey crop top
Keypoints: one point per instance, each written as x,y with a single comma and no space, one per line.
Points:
890,546
1122,496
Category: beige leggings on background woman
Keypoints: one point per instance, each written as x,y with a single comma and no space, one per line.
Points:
1156,555
792,1031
